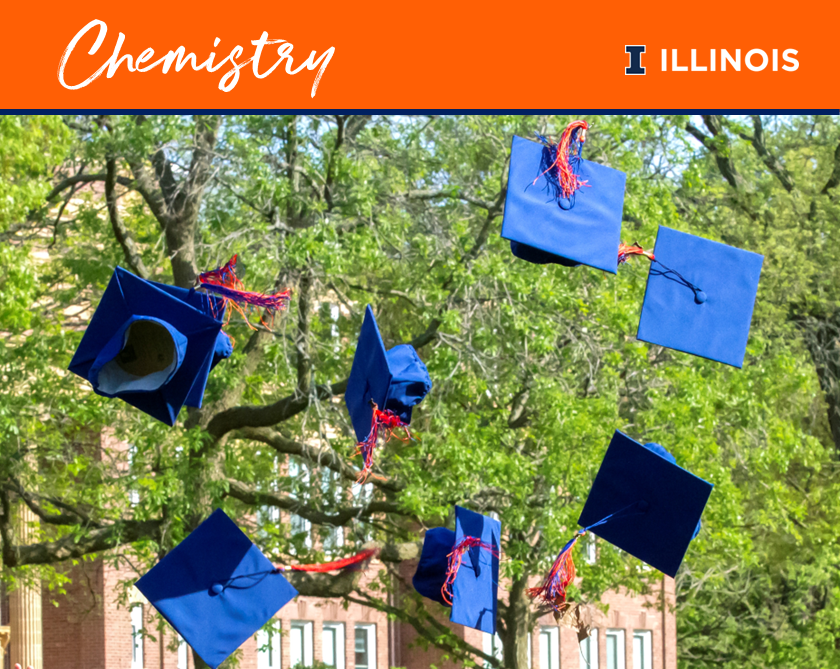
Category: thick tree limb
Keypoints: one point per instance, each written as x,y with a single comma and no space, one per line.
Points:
324,585
320,456
75,546
341,518
771,162
70,181
834,179
719,147
132,256
237,418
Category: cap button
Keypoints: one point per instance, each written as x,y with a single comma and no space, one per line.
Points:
699,296
217,588
643,505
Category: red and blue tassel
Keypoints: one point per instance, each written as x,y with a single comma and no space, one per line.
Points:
552,591
627,250
385,421
224,283
455,559
560,160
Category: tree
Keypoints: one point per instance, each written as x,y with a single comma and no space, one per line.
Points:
534,366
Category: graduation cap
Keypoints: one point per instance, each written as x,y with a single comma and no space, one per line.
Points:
700,296
641,502
560,208
151,345
382,388
216,588
461,569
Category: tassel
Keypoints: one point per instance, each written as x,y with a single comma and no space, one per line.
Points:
352,561
386,421
356,561
560,160
455,558
626,250
224,283
562,572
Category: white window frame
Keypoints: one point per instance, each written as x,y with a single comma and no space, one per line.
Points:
491,644
183,653
268,646
620,660
337,629
591,645
590,549
136,612
549,648
305,653
370,630
643,640
133,493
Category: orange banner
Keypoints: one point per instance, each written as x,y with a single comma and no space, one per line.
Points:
418,56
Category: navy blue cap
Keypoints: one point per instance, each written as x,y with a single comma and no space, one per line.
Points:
431,570
540,231
215,308
148,347
700,296
475,589
216,588
396,380
653,505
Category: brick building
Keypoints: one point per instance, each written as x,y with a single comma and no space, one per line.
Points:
89,629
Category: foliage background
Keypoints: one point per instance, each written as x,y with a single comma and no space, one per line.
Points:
534,366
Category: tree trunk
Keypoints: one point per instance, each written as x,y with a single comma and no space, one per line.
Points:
517,628
822,337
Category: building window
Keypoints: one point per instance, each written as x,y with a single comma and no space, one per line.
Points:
550,648
268,646
590,549
615,649
365,646
133,493
642,649
589,651
183,654
137,636
491,644
300,473
332,645
300,643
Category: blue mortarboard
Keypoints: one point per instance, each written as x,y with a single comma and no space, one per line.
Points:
216,588
700,296
151,345
396,380
475,588
645,504
586,229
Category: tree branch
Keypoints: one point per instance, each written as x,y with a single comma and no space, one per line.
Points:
773,164
75,546
283,409
132,256
834,179
342,517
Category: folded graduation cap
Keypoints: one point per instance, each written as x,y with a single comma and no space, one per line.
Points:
395,380
151,345
700,296
216,588
544,226
461,568
645,504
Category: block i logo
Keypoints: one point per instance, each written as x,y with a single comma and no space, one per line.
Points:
635,51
